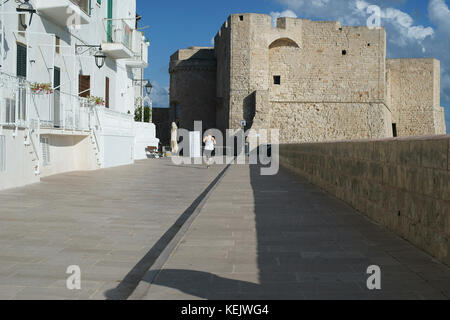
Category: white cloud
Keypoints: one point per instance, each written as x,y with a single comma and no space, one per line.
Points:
285,13
440,15
406,39
160,96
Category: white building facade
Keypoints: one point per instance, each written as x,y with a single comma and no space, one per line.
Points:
59,111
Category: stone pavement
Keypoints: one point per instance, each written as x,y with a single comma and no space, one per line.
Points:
109,222
260,237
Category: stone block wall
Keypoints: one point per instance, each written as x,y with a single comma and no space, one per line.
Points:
402,184
415,96
193,87
332,78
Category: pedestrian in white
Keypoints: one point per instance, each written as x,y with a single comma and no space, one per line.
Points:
209,142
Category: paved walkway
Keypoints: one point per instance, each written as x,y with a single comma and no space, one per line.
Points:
253,237
278,237
109,222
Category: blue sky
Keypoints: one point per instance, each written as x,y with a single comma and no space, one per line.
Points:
415,28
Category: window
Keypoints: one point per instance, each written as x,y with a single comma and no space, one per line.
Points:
2,154
10,110
21,24
84,86
45,146
107,92
394,130
241,18
344,52
21,61
57,44
277,80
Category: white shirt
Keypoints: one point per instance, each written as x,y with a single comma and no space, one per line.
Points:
209,144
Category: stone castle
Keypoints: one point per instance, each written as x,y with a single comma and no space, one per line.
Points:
313,80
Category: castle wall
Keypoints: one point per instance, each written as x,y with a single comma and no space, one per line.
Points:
402,184
415,97
313,80
316,122
315,73
223,55
193,87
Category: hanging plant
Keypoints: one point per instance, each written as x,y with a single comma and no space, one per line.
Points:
98,101
41,88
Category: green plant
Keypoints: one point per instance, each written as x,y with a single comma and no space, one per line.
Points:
38,88
99,101
138,114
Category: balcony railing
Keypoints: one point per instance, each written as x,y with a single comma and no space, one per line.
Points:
64,12
118,31
20,107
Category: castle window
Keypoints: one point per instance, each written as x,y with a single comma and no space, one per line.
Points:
394,130
368,44
241,18
344,52
277,80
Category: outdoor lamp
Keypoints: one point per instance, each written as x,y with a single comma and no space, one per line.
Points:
148,88
100,58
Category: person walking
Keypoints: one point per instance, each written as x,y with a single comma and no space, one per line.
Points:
209,142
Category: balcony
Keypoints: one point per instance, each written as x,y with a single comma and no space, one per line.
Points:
140,49
117,40
65,12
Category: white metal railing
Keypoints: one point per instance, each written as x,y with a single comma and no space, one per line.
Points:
59,110
15,104
118,31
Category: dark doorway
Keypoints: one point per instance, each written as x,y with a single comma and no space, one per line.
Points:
107,92
394,130
57,98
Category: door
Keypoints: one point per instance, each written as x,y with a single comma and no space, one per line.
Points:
107,92
195,147
109,27
21,71
57,98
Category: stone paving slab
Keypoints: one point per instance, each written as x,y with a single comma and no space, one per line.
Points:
104,221
262,237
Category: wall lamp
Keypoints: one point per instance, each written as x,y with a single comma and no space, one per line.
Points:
94,50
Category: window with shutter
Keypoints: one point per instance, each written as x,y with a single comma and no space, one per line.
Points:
2,153
84,86
45,151
21,60
10,110
107,92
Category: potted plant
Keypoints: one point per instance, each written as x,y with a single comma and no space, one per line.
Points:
98,101
41,88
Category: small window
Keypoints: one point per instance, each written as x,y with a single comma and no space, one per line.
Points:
2,154
394,130
277,80
241,18
368,44
21,60
57,44
45,145
344,52
21,24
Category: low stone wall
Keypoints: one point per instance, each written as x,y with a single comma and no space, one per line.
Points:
402,184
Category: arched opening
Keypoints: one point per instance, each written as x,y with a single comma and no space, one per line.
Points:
283,42
284,59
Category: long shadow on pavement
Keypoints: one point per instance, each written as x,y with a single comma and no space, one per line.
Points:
132,279
309,246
